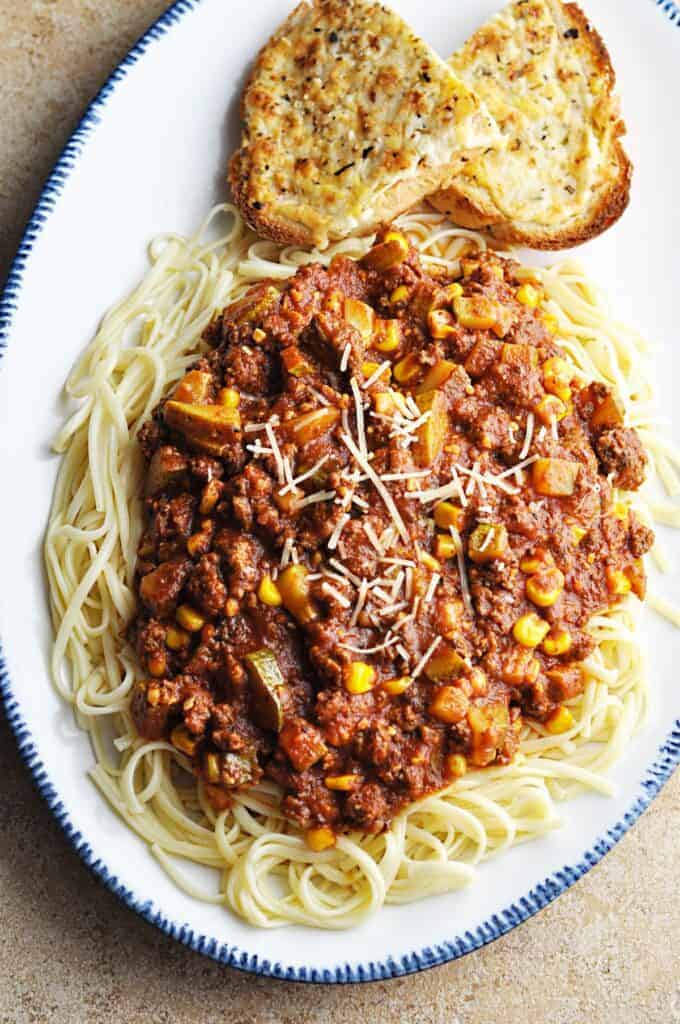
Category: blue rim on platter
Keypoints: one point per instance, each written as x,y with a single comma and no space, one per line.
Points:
667,759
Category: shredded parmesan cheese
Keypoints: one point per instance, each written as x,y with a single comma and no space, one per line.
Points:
335,536
379,486
372,536
303,476
271,437
361,600
426,657
317,496
434,583
285,554
340,598
527,437
345,571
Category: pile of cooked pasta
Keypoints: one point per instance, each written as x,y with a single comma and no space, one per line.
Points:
263,869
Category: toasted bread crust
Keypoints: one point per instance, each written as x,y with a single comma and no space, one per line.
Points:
333,113
260,218
473,207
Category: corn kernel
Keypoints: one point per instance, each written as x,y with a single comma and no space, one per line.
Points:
395,687
259,334
617,581
269,593
578,533
455,766
528,296
539,560
620,511
545,587
551,323
560,721
387,336
551,409
447,514
189,618
445,546
359,677
453,291
368,368
319,839
557,376
342,783
530,630
399,294
407,368
294,590
557,642
229,397
176,639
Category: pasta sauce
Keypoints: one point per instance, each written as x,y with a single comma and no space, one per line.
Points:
380,513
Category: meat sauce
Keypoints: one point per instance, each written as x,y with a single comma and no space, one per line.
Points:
344,584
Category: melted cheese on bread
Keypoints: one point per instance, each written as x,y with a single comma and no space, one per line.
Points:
349,118
546,78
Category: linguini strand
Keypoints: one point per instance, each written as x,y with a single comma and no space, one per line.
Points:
264,870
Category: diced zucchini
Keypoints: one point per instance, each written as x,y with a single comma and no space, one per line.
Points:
194,387
265,680
608,413
436,376
433,432
167,467
446,663
477,313
313,424
487,541
555,477
210,428
255,304
295,362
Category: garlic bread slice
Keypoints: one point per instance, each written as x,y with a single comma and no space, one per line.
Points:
547,79
348,119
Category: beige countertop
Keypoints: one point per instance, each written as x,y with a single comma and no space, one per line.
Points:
607,951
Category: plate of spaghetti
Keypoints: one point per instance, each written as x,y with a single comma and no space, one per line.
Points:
340,595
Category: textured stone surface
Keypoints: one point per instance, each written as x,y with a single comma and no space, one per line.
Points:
609,950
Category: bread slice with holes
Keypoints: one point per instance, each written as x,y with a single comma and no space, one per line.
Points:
547,79
348,119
